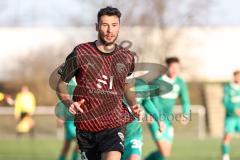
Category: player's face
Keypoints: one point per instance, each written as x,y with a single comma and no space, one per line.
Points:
108,29
237,78
174,69
24,89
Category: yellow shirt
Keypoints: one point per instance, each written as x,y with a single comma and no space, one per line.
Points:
25,102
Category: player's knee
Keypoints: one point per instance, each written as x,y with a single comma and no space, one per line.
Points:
227,138
134,157
166,153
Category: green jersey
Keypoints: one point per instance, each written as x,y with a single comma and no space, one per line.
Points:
165,103
133,135
231,99
135,128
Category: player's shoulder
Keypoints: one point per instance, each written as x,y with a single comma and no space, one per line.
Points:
121,48
81,46
228,84
125,51
180,79
80,49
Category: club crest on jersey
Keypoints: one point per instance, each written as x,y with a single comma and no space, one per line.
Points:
120,67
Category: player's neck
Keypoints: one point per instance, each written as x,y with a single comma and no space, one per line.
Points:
171,77
105,48
236,82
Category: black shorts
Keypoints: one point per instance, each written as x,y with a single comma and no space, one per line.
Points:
93,144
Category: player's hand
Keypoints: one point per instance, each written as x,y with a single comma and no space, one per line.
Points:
9,100
76,107
237,111
184,120
136,110
161,126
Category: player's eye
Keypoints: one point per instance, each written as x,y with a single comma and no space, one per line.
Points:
104,25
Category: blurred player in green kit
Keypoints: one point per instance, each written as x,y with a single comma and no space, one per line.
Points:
134,131
67,119
165,104
231,102
133,135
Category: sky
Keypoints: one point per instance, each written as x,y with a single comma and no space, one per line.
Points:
225,13
58,13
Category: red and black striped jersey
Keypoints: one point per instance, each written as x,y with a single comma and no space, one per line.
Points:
100,78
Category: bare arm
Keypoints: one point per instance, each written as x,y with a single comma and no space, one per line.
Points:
67,71
63,94
130,95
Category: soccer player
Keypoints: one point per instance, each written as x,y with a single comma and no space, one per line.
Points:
231,100
69,127
165,104
25,105
100,69
134,137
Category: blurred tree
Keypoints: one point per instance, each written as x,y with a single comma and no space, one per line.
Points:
34,70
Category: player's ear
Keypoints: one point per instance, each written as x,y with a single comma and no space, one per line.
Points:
97,27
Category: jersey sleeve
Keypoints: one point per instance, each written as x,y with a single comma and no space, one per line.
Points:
69,68
143,88
150,109
155,96
184,97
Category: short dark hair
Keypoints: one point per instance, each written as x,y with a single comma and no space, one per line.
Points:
236,72
172,60
110,11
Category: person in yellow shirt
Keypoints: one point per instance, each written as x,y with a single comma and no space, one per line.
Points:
25,105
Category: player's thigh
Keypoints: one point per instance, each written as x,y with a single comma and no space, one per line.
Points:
164,147
70,131
88,145
134,157
164,140
166,135
111,155
133,149
227,138
230,125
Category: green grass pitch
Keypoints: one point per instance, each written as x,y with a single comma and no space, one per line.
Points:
48,149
